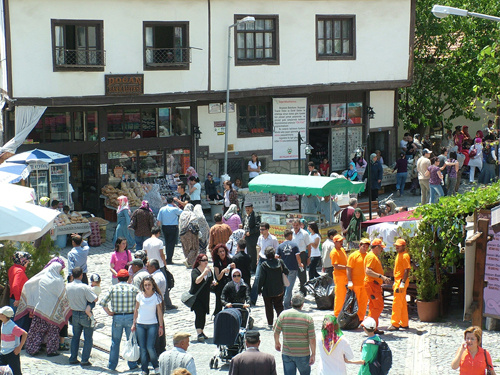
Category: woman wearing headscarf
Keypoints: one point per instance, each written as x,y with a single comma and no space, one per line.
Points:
17,279
489,164
204,234
237,291
352,173
232,218
458,138
354,228
237,235
333,348
476,158
142,221
123,221
154,198
468,140
188,233
44,298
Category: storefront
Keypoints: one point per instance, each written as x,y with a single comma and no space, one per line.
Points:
111,143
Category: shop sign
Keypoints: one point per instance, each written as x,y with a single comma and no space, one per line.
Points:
492,272
124,84
289,118
220,127
38,166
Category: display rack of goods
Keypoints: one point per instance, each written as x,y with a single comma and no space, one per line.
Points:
102,226
128,189
73,218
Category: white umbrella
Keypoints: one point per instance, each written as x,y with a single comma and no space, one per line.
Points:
37,155
14,193
25,221
12,172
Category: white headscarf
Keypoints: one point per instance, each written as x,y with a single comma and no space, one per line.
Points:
204,228
123,204
232,210
237,285
44,295
188,220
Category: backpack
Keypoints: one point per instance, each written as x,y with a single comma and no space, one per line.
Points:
383,361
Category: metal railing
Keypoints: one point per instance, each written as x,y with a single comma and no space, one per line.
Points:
168,56
80,57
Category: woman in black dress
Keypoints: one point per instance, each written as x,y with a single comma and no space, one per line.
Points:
201,278
223,264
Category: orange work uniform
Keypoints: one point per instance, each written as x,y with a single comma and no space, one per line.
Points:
357,265
340,278
399,317
373,287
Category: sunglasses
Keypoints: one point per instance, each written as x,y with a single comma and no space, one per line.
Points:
204,260
236,275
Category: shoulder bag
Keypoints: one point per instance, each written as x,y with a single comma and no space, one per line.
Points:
188,298
286,283
488,366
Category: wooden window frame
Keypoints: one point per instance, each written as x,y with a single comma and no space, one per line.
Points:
340,17
247,134
185,25
100,26
276,49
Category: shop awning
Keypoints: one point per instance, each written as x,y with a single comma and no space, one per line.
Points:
11,173
37,155
308,185
400,216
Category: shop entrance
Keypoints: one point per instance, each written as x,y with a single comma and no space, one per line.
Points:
319,140
85,181
380,141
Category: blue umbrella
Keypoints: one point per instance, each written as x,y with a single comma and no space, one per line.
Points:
37,155
12,173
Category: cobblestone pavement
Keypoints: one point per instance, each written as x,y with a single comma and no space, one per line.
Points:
425,349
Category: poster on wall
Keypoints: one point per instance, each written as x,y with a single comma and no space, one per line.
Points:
289,118
339,113
354,113
492,276
339,148
320,112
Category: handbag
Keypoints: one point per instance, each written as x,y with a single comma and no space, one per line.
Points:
170,279
488,366
286,283
188,298
131,351
472,153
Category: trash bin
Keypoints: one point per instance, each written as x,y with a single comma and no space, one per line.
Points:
61,240
216,209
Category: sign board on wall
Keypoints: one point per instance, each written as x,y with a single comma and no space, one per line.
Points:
492,276
289,118
124,84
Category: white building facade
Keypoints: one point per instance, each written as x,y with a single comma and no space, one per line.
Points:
129,83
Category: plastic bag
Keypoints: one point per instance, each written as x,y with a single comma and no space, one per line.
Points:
323,290
348,316
131,351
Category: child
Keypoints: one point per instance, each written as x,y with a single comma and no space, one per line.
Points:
95,281
13,339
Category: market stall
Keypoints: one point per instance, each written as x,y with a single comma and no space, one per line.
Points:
68,224
49,175
300,185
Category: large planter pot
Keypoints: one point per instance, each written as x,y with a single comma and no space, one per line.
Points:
428,311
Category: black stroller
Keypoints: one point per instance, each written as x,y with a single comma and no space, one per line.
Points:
229,333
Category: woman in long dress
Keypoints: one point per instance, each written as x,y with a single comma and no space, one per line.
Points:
44,297
188,233
123,221
204,234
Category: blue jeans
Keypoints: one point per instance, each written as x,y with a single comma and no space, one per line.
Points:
146,336
401,181
292,276
120,322
139,241
81,322
292,364
254,293
436,193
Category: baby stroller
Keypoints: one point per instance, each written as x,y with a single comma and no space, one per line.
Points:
229,333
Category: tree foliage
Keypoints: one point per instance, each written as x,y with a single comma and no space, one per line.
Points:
450,70
441,232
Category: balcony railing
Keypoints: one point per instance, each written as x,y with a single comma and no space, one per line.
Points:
165,57
81,58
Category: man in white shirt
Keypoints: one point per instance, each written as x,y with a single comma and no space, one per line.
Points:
301,238
327,247
265,239
153,247
422,164
178,356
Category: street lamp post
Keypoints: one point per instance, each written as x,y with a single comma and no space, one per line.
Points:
442,11
308,148
246,19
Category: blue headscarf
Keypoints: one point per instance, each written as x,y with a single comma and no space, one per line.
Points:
351,174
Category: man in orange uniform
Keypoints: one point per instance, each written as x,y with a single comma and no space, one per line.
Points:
339,263
356,276
402,266
373,280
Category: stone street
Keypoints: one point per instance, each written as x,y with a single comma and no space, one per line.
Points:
427,348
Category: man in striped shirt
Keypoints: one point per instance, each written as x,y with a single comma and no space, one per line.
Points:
299,339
